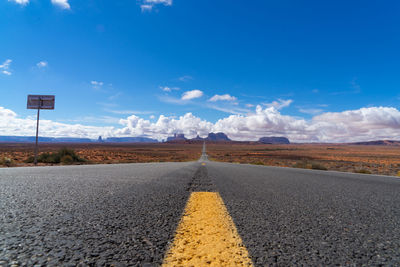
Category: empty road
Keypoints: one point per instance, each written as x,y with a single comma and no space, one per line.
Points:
127,214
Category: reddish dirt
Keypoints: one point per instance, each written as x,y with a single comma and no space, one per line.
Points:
350,158
106,153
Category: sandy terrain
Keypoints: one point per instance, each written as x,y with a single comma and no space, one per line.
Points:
350,158
353,158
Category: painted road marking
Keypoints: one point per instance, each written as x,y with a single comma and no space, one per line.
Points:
206,235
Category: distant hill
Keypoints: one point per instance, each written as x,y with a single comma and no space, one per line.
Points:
379,143
31,139
274,140
130,140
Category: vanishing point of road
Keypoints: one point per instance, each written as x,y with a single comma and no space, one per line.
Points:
152,214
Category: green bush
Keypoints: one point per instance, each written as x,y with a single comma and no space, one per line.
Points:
49,158
258,163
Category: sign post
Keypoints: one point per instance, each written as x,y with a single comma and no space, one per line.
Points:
39,102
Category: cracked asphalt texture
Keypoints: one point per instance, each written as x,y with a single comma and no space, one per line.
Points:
126,215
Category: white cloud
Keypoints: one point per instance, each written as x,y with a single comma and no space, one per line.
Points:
165,2
279,104
172,100
11,124
42,64
96,84
7,113
185,78
169,89
147,5
61,3
359,125
115,96
249,105
192,94
312,111
363,124
188,124
21,2
4,68
348,126
225,97
123,112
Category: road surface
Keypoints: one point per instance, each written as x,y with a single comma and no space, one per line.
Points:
127,214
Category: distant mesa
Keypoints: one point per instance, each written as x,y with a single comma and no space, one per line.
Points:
197,138
176,137
379,143
130,140
274,140
212,137
217,137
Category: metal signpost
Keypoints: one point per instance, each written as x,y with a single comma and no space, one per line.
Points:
39,102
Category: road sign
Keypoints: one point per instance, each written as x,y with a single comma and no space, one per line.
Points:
41,101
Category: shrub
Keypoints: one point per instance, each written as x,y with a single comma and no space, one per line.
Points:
309,165
64,156
67,160
6,162
362,171
258,163
49,158
29,159
317,166
302,164
398,173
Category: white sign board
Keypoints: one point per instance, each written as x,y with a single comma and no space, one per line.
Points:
41,101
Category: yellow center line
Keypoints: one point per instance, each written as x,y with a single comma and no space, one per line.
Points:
206,235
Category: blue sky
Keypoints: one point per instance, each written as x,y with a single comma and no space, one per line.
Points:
129,68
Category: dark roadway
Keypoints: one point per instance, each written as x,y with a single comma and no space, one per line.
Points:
126,215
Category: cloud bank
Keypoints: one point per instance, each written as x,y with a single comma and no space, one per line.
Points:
363,124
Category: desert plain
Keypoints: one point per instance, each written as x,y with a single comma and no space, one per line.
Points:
369,159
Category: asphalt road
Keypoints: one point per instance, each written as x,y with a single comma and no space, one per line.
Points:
126,215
